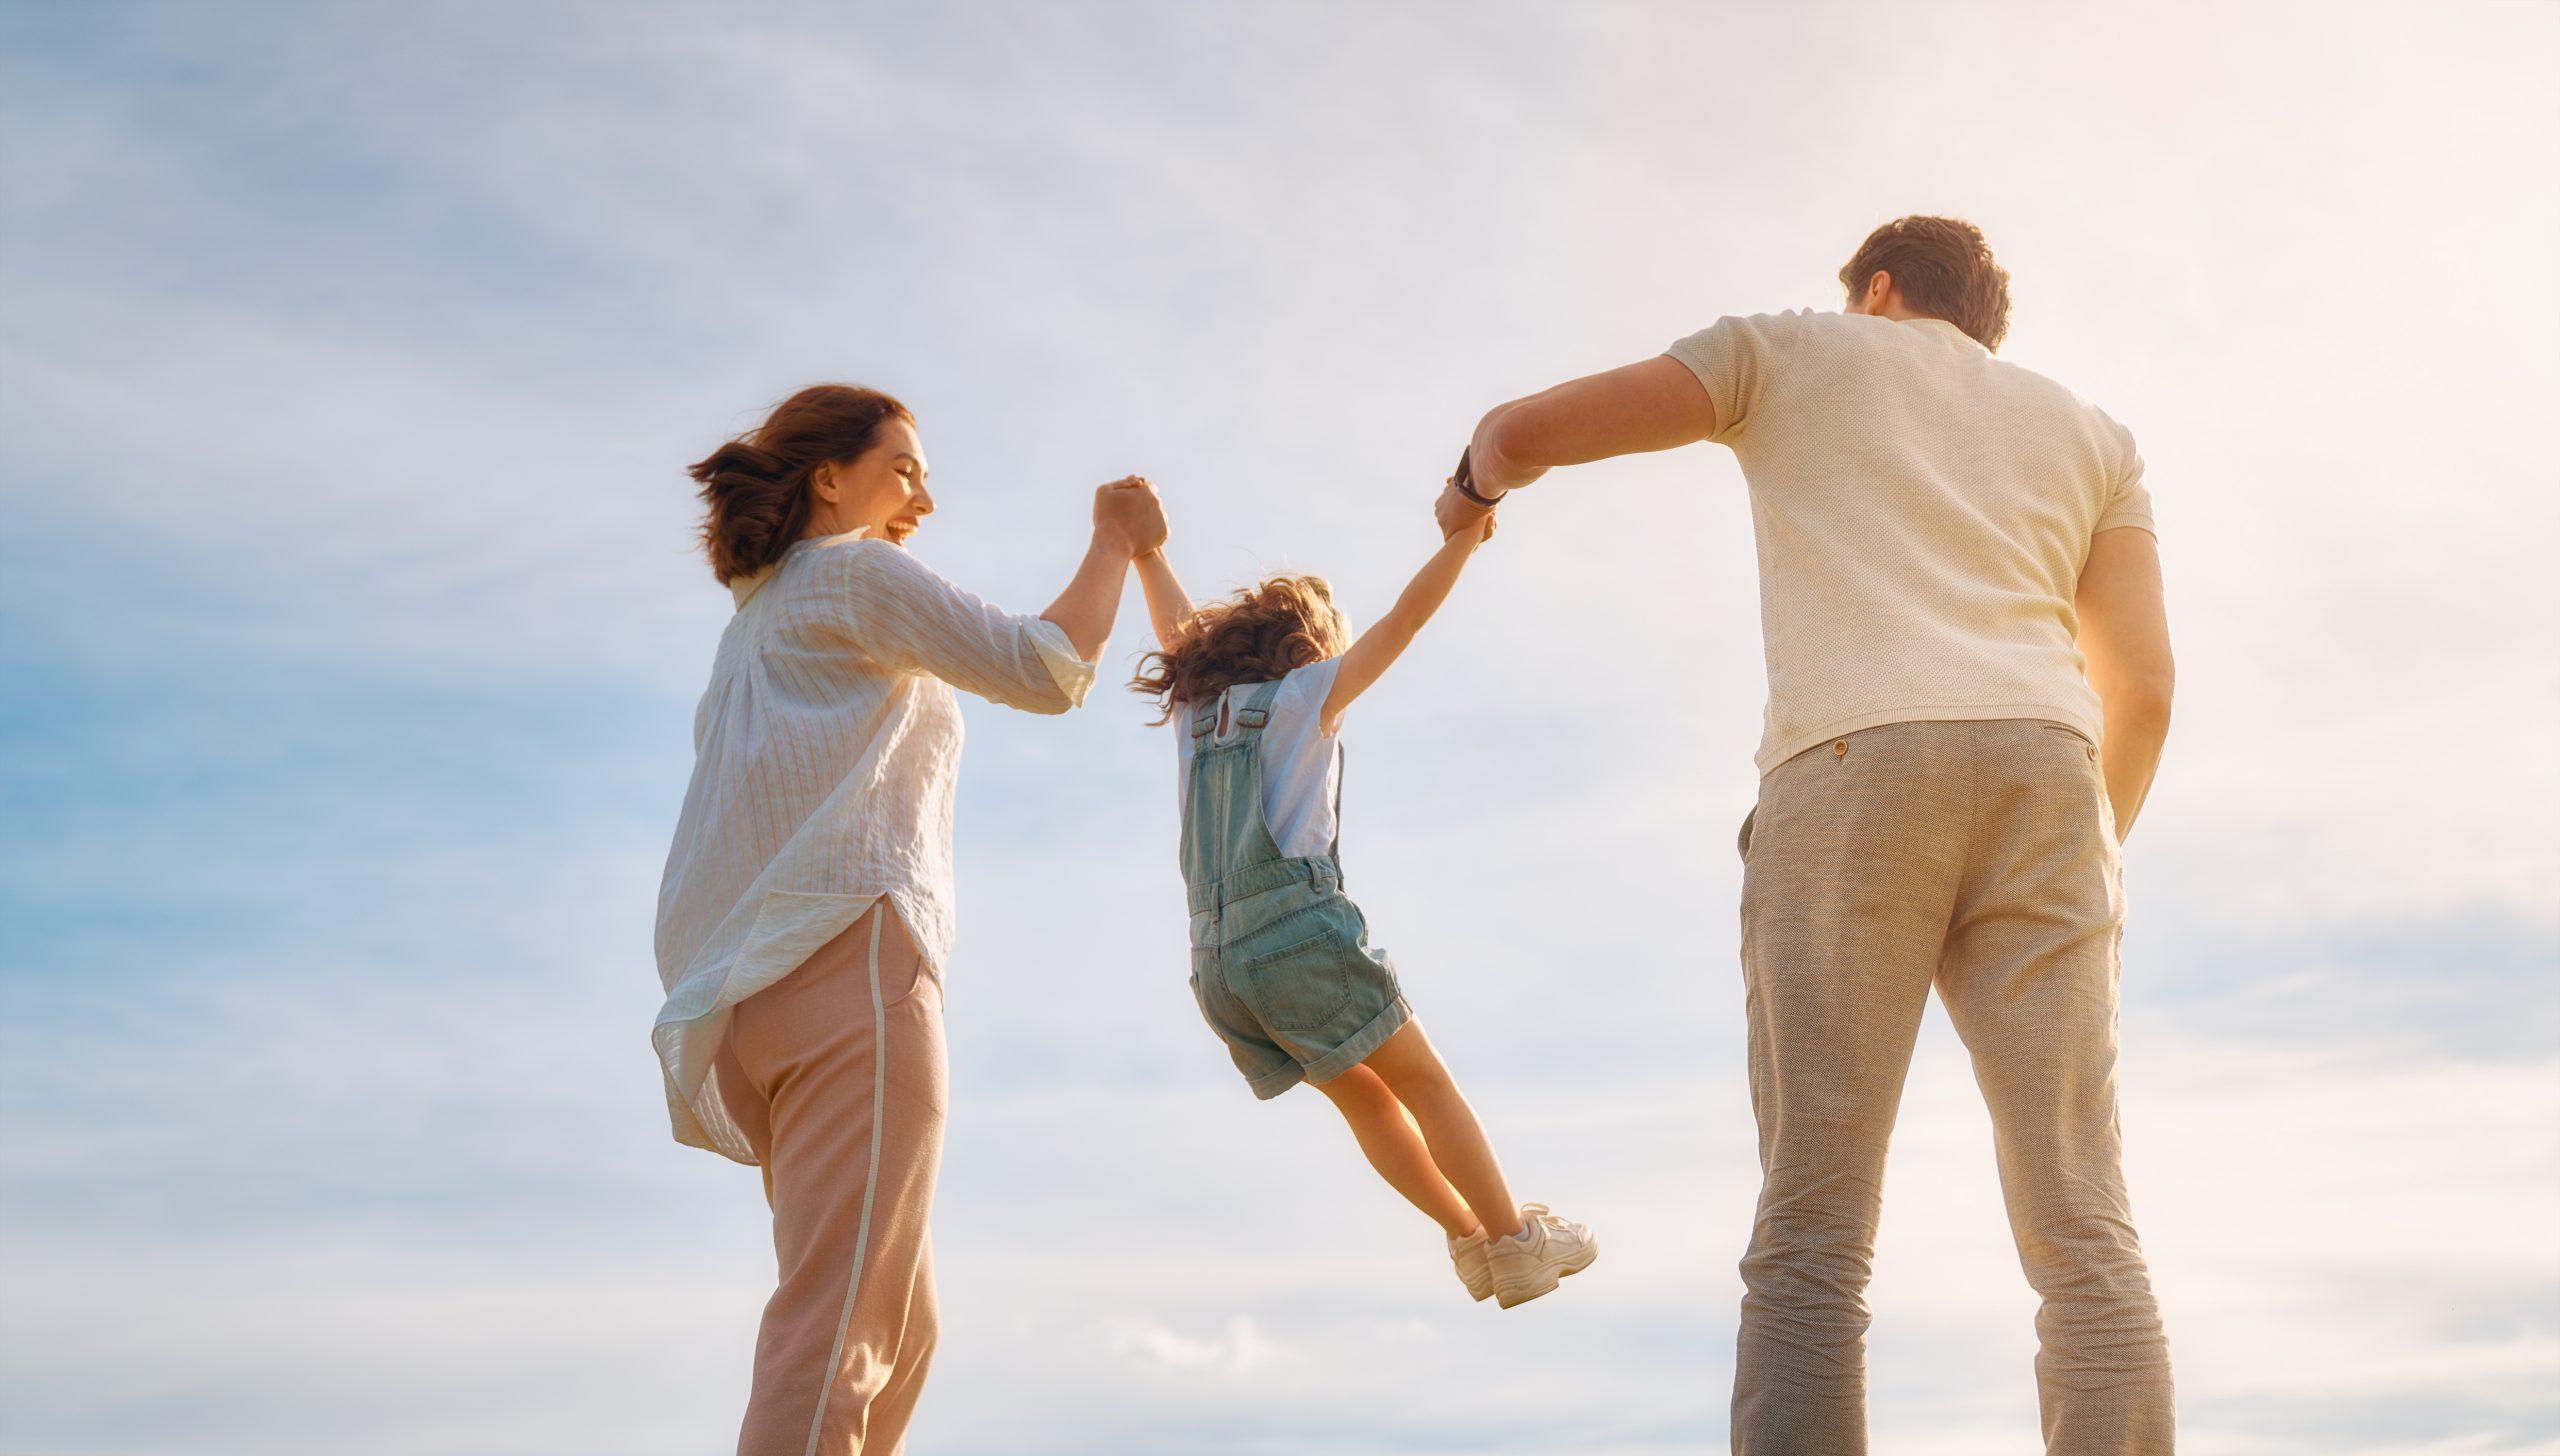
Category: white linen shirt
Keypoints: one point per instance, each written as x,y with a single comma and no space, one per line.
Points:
826,750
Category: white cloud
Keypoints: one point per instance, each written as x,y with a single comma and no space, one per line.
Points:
1238,1348
1194,1269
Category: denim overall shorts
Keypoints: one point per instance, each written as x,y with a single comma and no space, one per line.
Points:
1280,958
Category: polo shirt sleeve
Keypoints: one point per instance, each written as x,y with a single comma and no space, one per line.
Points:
2128,500
1736,358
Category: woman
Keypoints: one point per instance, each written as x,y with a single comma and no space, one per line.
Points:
805,915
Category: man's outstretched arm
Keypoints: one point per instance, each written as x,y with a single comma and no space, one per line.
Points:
2124,633
1656,405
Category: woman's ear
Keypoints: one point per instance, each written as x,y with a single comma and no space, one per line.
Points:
824,485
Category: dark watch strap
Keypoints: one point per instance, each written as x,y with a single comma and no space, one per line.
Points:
1465,481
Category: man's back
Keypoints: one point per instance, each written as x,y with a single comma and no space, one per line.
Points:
1923,511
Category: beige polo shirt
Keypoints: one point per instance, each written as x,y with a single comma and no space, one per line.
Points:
1922,511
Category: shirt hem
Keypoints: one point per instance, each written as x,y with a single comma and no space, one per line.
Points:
687,1030
1787,748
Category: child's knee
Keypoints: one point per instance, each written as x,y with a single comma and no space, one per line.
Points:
1358,1085
1411,1076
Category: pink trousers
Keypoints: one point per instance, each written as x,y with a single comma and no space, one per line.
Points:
836,1075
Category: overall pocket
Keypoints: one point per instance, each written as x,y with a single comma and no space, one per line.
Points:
1303,981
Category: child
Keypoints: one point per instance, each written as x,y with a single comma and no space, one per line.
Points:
1280,958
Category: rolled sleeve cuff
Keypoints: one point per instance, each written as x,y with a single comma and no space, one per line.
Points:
1073,675
2137,520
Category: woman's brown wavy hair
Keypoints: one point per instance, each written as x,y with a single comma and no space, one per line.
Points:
1257,635
755,489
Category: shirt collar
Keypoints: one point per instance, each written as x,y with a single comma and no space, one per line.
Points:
1941,326
743,587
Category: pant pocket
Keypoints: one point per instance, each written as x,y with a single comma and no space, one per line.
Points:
2078,738
1742,839
901,968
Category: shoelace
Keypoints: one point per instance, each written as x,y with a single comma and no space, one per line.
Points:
1545,1221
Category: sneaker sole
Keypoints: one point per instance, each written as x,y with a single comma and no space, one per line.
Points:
1479,1295
1554,1275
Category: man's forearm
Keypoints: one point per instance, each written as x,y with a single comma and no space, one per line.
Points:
1493,466
1653,404
2135,734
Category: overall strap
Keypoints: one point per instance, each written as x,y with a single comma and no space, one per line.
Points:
1228,851
1251,716
1255,715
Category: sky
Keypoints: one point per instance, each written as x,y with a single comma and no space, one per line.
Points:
350,631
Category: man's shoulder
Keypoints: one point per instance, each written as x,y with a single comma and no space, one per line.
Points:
1783,324
1814,337
2062,399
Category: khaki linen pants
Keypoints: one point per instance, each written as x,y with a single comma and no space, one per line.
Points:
836,1075
1980,857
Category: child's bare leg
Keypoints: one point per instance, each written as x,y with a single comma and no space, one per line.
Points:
1413,1072
1396,1149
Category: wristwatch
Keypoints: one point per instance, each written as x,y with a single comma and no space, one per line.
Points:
1465,482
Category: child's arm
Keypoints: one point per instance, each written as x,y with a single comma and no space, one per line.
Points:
1167,603
1388,637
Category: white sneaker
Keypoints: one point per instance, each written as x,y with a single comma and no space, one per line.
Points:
1548,1249
1468,1255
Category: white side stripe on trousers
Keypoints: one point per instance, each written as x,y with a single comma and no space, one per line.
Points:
870,1184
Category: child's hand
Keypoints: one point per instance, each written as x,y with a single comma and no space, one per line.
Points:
1476,532
1128,511
1456,513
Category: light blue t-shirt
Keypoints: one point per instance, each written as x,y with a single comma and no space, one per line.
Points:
1301,763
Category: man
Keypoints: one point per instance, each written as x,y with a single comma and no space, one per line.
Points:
1969,683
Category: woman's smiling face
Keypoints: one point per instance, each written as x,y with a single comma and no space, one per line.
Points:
879,493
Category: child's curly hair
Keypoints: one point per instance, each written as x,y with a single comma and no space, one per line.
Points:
1257,635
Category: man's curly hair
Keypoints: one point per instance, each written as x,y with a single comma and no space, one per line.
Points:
1944,269
1256,635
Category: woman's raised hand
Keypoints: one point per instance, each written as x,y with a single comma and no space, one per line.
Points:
1128,522
1128,512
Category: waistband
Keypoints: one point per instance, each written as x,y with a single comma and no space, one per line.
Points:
1269,874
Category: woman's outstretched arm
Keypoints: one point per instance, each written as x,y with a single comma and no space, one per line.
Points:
1128,521
901,614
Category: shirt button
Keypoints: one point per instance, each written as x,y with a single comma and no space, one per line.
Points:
1840,748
